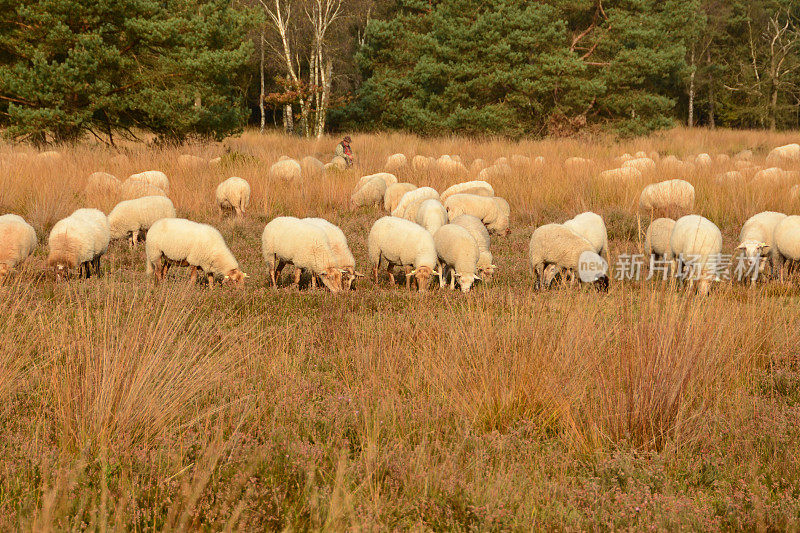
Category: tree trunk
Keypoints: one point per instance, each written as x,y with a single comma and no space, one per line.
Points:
773,107
327,77
712,121
690,122
261,94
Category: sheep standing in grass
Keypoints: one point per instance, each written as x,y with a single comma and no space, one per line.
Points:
642,164
287,170
500,170
370,193
401,242
781,154
591,227
458,256
578,164
310,165
557,245
771,175
152,177
102,183
756,241
656,241
132,189
695,248
341,251
475,227
787,240
17,241
431,215
409,204
394,193
667,196
191,162
421,163
621,174
395,162
291,241
388,178
130,217
491,212
477,187
233,194
78,241
177,241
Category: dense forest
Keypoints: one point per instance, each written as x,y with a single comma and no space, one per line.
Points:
179,68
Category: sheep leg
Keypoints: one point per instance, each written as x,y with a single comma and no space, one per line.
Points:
297,273
193,275
210,281
132,239
96,265
407,270
539,282
390,270
376,268
313,282
452,274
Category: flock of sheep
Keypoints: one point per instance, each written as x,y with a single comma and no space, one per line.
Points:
429,235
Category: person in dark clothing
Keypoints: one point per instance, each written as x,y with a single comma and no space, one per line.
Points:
344,151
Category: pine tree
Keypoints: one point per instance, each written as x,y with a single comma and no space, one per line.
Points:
172,67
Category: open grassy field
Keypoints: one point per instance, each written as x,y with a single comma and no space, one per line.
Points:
134,406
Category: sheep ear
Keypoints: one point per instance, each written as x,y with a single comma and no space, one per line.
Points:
478,278
226,278
343,271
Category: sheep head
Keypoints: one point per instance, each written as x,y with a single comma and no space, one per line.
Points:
236,277
422,276
754,250
332,278
465,281
349,275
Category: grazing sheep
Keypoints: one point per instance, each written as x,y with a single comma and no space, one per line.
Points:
338,163
695,246
624,157
17,241
475,227
389,179
458,256
556,244
477,165
233,194
479,187
310,166
181,242
771,175
495,171
787,240
620,174
341,251
656,239
189,161
519,160
577,164
450,165
304,244
215,161
674,165
394,193
489,210
756,240
421,163
703,160
731,176
789,152
287,170
591,227
409,203
403,243
152,177
78,241
370,193
431,215
671,195
501,161
744,155
503,205
642,164
722,158
132,189
130,217
102,183
395,162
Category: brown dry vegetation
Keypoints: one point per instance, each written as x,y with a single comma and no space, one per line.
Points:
128,405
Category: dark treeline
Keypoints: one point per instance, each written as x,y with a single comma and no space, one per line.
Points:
70,68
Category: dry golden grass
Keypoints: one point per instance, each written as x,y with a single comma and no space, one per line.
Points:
128,405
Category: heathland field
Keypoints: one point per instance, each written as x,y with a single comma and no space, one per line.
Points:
135,406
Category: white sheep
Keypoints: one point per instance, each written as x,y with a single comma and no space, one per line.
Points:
787,240
341,251
495,171
656,241
153,177
578,164
781,154
370,193
703,160
450,165
310,165
695,248
478,187
132,189
102,183
458,255
671,195
181,242
189,161
731,176
233,194
771,175
431,215
756,241
519,160
642,164
337,164
17,241
421,163
287,170
401,242
477,165
130,217
394,193
621,174
490,211
556,244
591,227
78,241
291,241
395,162
388,178
409,203
486,267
